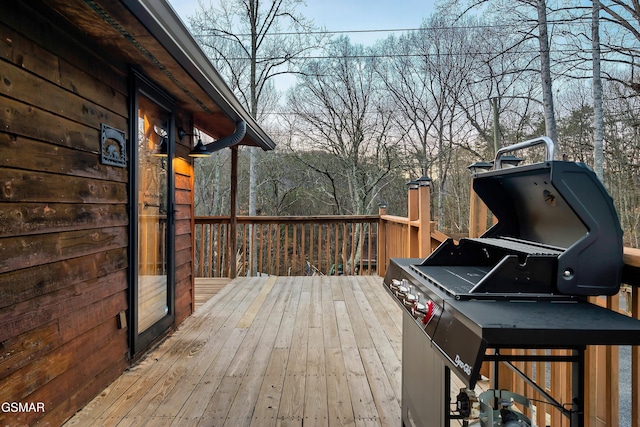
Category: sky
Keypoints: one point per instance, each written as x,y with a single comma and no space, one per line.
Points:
341,15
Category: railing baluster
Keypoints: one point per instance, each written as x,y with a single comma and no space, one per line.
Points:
258,249
294,255
220,256
320,247
286,248
202,258
303,232
250,232
311,241
354,230
336,248
269,249
370,249
360,244
278,257
210,253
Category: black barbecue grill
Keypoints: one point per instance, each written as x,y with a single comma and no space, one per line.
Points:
521,285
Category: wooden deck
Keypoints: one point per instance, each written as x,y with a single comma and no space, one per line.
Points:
287,351
207,287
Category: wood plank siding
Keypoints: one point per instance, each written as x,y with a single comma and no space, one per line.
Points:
64,222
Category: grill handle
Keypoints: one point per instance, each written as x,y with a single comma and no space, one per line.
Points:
525,144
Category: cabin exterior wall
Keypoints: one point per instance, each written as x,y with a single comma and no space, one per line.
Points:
64,218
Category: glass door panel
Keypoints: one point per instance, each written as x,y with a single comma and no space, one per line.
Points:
152,189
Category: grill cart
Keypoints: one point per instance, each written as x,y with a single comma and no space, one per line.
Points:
521,285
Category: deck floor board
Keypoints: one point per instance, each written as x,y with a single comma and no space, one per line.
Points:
285,351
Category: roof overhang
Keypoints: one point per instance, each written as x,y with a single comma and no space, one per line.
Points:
149,35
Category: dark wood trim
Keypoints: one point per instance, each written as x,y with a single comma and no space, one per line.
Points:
231,268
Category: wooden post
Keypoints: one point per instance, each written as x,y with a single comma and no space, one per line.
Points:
477,208
478,215
424,216
612,357
413,214
381,261
233,225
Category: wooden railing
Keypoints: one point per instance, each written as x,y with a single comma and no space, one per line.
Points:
300,246
292,246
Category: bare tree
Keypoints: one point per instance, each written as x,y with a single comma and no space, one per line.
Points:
545,73
621,20
339,110
527,18
252,43
598,122
440,79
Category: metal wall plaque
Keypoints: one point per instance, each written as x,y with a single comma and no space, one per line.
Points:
113,146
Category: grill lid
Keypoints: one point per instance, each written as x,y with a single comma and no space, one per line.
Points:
557,230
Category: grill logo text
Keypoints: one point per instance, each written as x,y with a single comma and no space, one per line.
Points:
460,364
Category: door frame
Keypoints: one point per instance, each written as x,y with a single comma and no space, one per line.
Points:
139,342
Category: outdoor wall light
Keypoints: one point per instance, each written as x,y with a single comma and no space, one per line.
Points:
162,149
200,150
182,133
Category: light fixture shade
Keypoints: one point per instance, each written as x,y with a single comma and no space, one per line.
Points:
199,150
162,150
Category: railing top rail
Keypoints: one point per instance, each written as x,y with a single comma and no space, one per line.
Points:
212,219
396,219
289,219
632,257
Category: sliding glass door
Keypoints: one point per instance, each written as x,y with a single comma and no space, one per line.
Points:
152,290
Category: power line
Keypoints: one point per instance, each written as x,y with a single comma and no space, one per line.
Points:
328,32
417,55
216,32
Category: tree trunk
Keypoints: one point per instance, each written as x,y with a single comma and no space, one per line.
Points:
545,72
598,121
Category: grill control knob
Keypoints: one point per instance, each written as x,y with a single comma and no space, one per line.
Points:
418,310
401,292
409,301
430,311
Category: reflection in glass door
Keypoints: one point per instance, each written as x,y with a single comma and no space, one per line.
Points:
151,188
152,182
